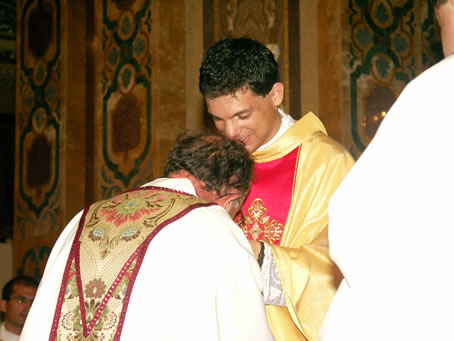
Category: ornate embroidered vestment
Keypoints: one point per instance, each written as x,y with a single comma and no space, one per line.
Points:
266,207
288,209
105,258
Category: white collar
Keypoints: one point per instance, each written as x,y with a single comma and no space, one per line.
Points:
286,122
6,334
179,184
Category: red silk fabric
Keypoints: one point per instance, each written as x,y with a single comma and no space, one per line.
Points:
266,207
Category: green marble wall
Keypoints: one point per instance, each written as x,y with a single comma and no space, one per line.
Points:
386,45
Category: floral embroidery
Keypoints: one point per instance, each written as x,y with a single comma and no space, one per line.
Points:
125,218
97,234
71,287
72,322
122,227
129,234
129,208
258,226
96,288
68,321
91,307
120,291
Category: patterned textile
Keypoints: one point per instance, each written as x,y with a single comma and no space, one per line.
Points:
106,255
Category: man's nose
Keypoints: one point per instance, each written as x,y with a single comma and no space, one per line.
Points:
231,130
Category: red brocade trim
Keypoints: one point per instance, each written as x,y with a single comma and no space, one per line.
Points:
266,207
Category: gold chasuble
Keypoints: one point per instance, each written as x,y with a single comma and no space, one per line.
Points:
287,208
105,258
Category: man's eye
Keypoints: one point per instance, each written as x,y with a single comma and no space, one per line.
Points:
243,117
216,118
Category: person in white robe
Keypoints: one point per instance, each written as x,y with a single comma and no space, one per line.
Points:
391,221
199,279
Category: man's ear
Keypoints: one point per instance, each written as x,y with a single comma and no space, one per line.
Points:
231,203
277,93
3,304
233,206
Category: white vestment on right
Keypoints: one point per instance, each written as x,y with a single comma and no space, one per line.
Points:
391,227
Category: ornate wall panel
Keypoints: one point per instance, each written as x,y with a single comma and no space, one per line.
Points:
387,44
38,126
7,119
273,22
34,252
123,103
329,64
7,32
50,126
7,55
169,87
85,129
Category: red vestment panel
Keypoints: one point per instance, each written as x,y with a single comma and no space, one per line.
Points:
266,207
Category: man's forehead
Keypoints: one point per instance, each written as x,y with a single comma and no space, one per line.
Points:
21,289
228,106
232,93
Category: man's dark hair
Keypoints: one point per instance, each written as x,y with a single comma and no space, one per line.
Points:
439,3
237,63
221,163
23,280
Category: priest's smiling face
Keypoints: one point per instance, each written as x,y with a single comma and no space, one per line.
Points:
247,117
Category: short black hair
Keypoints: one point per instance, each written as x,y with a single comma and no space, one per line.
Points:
221,163
237,63
439,3
23,280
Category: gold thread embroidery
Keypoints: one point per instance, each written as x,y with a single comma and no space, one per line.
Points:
259,226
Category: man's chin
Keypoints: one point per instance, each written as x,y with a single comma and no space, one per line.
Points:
250,146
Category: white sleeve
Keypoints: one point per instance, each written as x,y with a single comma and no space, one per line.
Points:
199,281
240,287
39,319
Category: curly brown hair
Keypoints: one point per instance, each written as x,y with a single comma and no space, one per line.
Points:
221,163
